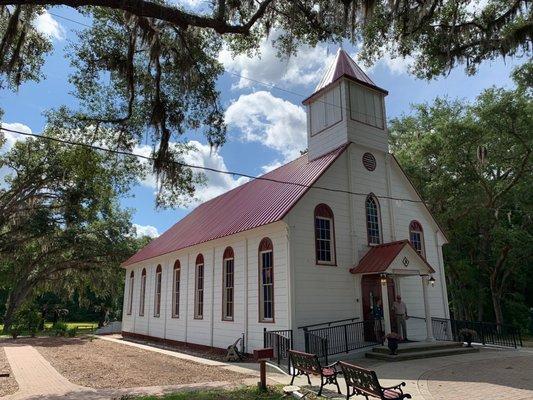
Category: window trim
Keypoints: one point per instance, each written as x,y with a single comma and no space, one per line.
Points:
227,256
176,293
265,246
142,294
382,106
333,243
422,252
199,263
130,294
157,296
378,209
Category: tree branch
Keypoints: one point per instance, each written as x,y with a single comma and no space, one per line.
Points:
162,12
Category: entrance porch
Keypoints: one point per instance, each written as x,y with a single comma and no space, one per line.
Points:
382,270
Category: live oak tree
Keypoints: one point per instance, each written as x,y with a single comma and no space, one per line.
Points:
484,202
147,69
59,217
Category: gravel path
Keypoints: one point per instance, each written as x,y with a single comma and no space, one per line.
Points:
7,385
103,364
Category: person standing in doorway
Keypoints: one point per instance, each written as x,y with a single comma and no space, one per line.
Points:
377,315
400,311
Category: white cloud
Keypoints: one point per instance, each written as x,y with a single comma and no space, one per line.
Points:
305,68
271,121
203,156
47,25
145,230
11,137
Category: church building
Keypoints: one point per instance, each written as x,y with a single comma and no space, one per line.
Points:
317,240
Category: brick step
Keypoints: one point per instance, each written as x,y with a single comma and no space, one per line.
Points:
421,354
419,346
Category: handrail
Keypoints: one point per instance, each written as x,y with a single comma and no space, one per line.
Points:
330,322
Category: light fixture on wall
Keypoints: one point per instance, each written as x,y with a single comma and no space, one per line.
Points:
383,279
432,281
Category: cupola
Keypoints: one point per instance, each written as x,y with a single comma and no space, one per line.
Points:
347,106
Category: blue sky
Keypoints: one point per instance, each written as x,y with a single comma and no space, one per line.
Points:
266,126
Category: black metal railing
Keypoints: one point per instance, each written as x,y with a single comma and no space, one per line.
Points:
485,332
488,332
343,338
281,341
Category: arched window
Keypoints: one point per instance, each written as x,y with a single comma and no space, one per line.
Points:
266,281
176,279
199,292
130,293
143,292
416,236
373,220
157,297
228,270
324,235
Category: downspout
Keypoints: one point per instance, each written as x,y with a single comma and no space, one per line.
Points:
212,327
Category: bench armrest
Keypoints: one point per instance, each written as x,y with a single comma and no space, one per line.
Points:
398,386
333,366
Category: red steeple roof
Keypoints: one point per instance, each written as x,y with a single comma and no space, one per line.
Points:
344,65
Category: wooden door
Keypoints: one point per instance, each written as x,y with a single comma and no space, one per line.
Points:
371,289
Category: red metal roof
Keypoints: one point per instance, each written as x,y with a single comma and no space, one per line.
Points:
379,257
256,203
344,65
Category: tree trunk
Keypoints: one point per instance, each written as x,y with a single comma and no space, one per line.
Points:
480,300
14,301
497,304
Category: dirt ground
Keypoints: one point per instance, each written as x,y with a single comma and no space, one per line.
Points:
102,364
7,385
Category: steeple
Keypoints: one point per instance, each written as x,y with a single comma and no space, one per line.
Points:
346,106
344,65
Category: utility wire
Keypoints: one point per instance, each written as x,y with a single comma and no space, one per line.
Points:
199,167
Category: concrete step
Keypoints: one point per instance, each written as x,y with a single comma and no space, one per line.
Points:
419,346
421,354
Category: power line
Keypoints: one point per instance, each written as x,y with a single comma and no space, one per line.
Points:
199,167
270,85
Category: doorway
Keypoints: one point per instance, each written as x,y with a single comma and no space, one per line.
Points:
371,289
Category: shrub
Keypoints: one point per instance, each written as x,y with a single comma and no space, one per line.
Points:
72,331
26,320
59,329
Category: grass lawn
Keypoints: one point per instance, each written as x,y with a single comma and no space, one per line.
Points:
80,325
273,393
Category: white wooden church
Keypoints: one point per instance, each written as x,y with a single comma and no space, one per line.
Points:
319,239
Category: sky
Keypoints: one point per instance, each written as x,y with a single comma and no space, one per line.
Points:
266,121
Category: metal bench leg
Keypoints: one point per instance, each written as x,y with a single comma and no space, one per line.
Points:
321,385
308,380
293,376
338,387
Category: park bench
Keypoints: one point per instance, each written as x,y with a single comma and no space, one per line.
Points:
309,364
360,381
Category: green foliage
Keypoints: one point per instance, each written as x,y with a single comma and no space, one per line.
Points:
60,329
60,224
72,332
485,205
148,71
272,393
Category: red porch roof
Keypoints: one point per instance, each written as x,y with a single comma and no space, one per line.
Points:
379,257
256,203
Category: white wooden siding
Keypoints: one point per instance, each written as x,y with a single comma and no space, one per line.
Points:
212,330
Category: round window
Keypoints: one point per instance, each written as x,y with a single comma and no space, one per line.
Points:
369,161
